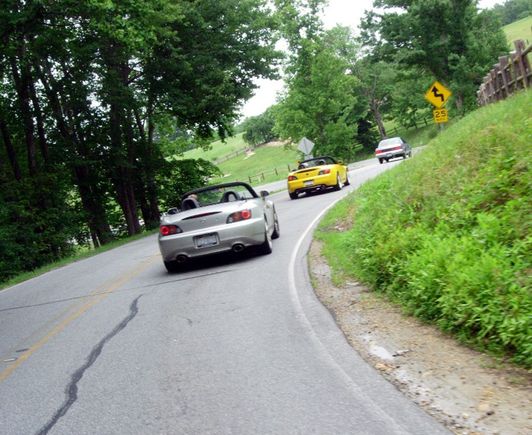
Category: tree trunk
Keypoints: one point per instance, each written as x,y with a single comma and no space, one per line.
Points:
83,175
43,144
11,155
22,89
378,118
97,221
148,197
120,131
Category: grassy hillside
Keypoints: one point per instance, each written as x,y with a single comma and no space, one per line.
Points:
448,233
260,166
521,29
218,149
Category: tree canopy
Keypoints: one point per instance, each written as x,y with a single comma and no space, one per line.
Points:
86,92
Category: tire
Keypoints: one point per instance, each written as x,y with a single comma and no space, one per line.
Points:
171,266
347,183
293,195
267,246
338,185
276,231
381,161
404,156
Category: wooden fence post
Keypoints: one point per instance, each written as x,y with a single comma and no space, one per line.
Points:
503,62
519,49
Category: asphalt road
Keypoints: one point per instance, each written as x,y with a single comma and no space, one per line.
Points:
233,345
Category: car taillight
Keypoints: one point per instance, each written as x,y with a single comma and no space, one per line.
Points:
237,216
378,151
292,178
324,171
167,230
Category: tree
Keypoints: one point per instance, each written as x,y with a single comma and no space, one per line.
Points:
512,10
449,39
377,80
320,102
259,129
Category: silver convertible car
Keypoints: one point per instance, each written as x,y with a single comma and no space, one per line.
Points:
218,218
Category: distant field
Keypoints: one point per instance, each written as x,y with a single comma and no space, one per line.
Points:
218,149
521,29
260,166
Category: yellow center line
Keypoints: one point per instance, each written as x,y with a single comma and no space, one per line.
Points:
96,297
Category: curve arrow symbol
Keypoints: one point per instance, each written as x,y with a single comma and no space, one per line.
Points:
437,94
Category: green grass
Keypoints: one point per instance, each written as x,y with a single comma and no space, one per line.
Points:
83,252
260,166
521,29
447,235
218,149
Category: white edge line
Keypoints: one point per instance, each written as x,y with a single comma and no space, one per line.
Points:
308,326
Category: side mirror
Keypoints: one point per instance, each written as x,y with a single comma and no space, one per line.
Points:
264,193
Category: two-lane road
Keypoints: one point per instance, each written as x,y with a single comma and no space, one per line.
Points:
115,345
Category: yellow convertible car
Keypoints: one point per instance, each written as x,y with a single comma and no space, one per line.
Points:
318,173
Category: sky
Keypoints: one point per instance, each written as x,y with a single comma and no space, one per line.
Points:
343,12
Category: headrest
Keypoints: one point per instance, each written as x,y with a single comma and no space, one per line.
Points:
189,203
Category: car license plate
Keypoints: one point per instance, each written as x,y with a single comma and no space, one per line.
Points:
309,183
206,240
389,155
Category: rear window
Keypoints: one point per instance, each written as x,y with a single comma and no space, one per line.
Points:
388,142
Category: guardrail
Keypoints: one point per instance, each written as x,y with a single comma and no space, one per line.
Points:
510,75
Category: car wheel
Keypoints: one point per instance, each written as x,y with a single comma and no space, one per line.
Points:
266,247
293,195
381,161
404,156
276,231
338,185
347,183
171,266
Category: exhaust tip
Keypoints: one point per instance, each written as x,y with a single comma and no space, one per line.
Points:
181,259
238,247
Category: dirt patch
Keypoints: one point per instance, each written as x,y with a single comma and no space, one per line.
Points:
469,392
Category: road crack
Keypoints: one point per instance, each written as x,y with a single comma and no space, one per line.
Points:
71,390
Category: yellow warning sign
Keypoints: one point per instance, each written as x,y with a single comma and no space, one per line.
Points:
437,94
440,115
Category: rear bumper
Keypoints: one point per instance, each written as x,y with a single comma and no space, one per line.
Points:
391,154
312,183
247,233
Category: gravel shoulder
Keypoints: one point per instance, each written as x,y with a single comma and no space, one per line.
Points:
468,391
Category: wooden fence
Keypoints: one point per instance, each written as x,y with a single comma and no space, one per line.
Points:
416,123
510,75
237,153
